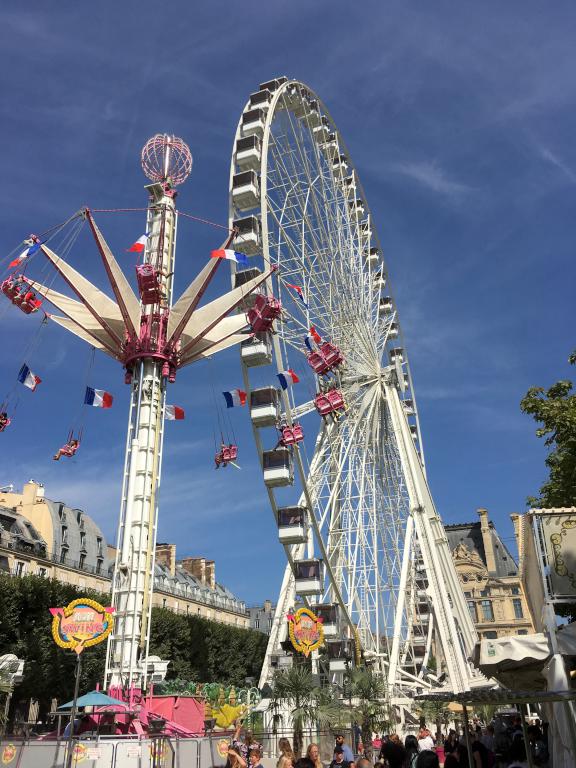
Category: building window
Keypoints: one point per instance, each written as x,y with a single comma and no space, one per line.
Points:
515,590
82,562
82,540
467,594
99,566
518,612
78,517
256,623
472,609
490,635
163,602
19,569
64,534
487,611
99,545
522,631
42,572
63,555
270,623
485,592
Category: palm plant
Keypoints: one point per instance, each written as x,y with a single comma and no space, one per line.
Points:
296,690
368,703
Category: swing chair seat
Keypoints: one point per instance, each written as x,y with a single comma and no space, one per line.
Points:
148,284
4,423
292,435
266,309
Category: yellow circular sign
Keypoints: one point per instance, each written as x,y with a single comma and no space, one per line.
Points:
81,624
8,754
306,631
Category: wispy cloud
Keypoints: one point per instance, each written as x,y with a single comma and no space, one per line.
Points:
554,160
434,178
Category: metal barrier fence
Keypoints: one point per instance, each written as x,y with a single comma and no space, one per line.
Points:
149,752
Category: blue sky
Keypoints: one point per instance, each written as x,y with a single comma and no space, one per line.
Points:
460,119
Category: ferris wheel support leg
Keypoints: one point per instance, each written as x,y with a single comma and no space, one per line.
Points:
457,633
395,652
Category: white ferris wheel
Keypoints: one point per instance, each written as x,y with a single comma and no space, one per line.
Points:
364,544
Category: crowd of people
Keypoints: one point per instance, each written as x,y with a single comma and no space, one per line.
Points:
501,747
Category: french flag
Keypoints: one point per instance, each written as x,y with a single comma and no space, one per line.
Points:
30,251
139,245
98,398
299,293
287,378
173,413
224,253
234,398
29,379
312,338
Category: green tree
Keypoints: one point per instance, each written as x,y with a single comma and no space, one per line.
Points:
555,410
368,691
296,691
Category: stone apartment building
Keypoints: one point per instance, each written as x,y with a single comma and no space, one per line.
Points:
47,538
490,579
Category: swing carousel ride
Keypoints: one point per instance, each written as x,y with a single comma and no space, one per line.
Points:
312,311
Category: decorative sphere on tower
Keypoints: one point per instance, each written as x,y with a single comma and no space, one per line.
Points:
166,158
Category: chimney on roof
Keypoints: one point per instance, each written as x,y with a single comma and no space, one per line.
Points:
195,566
166,555
487,540
210,574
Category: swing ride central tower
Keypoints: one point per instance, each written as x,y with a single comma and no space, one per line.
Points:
152,338
148,371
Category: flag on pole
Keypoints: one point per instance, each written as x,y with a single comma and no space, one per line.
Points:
224,253
29,379
234,398
173,413
287,378
312,338
139,245
299,293
98,398
29,251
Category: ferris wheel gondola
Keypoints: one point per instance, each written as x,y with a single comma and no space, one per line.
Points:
357,545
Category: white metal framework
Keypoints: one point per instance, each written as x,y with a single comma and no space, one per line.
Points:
152,338
297,202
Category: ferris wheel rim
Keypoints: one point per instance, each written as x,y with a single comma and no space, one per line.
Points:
265,213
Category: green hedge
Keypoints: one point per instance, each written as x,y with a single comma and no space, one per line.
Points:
198,649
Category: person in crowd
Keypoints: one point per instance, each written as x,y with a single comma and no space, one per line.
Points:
427,759
341,742
425,740
450,742
393,752
286,759
363,762
517,754
339,761
313,756
255,756
234,758
411,747
246,745
450,761
480,755
488,738
538,747
461,754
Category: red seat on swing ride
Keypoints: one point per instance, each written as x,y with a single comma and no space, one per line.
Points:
69,449
5,421
226,454
20,294
266,309
148,284
291,435
329,402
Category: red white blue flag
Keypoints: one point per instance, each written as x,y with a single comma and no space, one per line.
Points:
312,338
287,378
299,293
173,413
234,398
29,379
225,253
98,398
139,245
29,251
